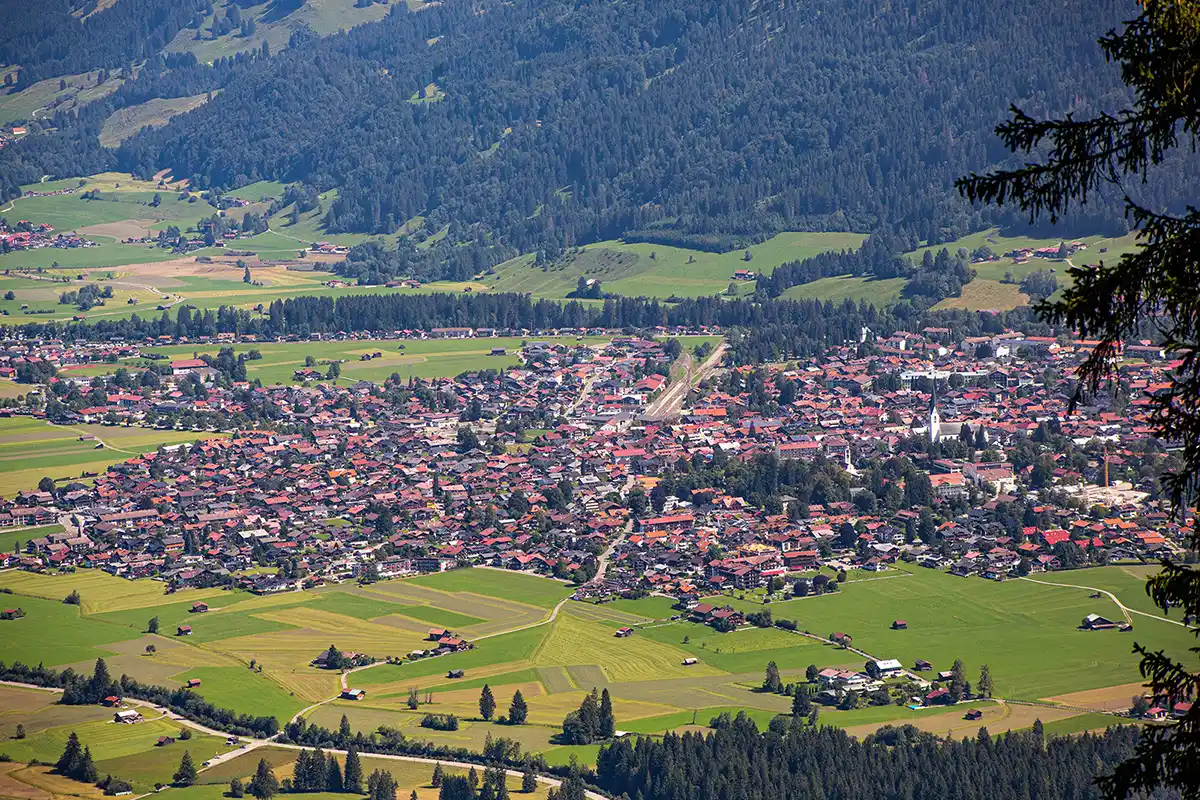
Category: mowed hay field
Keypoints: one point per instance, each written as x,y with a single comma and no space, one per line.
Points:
32,449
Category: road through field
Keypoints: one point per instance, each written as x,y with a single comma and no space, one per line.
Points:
1124,609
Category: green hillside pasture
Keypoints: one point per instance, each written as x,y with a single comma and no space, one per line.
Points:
310,226
208,626
497,615
1082,723
628,269
1127,582
32,103
1025,632
839,289
274,28
575,641
127,121
255,192
1001,244
410,776
983,294
31,450
244,690
513,586
99,591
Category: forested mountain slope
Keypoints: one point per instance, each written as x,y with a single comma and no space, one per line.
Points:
564,121
48,38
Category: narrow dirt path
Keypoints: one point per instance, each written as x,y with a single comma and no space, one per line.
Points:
1124,609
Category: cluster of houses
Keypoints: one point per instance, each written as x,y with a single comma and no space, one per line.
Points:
366,487
27,235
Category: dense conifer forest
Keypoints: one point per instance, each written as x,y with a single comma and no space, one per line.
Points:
759,331
539,126
893,764
49,38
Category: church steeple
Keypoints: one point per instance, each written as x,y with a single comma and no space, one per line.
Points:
935,419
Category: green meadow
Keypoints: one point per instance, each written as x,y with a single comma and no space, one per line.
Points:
1027,634
31,449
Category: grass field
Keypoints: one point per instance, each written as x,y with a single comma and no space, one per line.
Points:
1010,626
152,113
35,102
494,583
838,289
273,28
426,358
628,269
1025,632
31,449
983,294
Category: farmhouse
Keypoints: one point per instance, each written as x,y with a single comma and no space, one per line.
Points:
889,667
183,630
199,607
128,716
623,632
353,694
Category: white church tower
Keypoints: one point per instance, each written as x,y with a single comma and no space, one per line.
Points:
935,419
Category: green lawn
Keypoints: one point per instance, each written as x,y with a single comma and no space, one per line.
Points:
515,586
74,638
245,690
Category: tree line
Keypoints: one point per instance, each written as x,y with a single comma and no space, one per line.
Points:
760,330
81,690
738,760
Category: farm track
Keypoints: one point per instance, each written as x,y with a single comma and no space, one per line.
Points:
1125,610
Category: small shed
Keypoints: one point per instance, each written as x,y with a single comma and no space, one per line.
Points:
899,625
455,673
